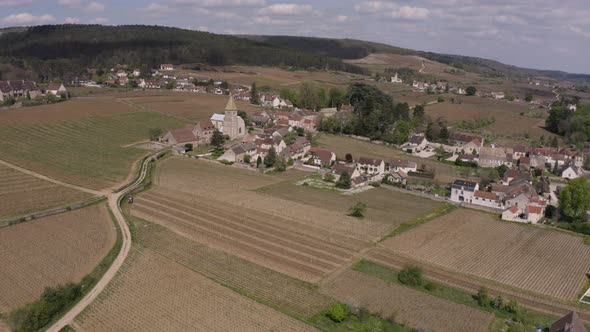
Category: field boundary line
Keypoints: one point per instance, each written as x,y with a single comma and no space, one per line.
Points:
51,212
145,109
46,178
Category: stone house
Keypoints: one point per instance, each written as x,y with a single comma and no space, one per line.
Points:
397,165
321,157
371,167
463,191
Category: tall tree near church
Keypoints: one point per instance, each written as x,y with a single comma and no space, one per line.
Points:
254,94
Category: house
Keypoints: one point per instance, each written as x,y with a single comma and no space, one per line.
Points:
397,165
136,72
121,73
520,151
572,107
416,143
513,213
568,323
398,177
371,167
494,157
321,157
498,95
18,89
166,67
534,213
56,89
463,191
123,80
238,152
487,199
513,174
180,136
572,172
260,119
328,112
466,143
341,168
204,131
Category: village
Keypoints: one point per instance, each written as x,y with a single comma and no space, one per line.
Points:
280,136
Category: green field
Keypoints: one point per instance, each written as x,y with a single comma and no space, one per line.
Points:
88,152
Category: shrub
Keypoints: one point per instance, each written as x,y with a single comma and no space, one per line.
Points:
482,297
410,275
430,286
336,312
329,177
344,182
189,147
247,159
358,210
375,184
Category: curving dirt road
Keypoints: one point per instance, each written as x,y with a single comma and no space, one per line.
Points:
113,201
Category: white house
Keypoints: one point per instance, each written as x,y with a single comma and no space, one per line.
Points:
371,167
166,66
463,191
416,143
121,73
396,79
572,172
487,199
321,157
136,72
405,166
56,89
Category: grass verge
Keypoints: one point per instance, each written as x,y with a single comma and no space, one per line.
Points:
406,226
355,320
454,295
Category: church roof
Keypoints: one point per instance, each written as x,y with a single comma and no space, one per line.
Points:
231,105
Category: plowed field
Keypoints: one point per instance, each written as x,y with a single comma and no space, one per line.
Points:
153,293
51,251
476,243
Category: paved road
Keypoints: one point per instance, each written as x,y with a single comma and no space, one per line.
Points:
113,199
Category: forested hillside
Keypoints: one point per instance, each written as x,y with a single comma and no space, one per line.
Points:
355,49
62,51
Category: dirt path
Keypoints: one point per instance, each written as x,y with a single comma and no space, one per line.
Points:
46,178
113,199
423,66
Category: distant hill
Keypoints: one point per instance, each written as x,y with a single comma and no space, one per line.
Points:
356,49
59,51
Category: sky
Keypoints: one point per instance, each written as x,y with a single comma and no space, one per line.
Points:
543,34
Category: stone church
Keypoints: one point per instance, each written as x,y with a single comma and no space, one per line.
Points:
230,123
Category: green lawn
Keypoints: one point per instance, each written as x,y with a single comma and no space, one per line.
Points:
87,152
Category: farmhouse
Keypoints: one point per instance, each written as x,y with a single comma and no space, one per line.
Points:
340,168
18,89
398,165
166,67
487,199
321,157
56,89
238,152
466,143
494,157
371,167
463,191
416,143
180,136
572,172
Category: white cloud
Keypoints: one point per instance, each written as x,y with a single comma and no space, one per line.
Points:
411,13
95,7
221,3
158,9
579,31
72,20
99,20
227,15
510,19
6,3
286,9
70,3
267,20
27,18
372,7
342,18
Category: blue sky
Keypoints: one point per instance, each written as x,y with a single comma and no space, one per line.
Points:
545,34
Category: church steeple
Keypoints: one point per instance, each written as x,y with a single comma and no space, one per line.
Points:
231,104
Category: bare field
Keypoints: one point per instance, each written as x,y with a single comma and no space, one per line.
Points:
21,193
51,251
342,145
71,110
476,243
408,306
174,298
508,121
194,106
276,77
280,242
383,205
86,151
265,285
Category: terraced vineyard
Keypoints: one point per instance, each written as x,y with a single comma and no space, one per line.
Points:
265,285
51,251
175,298
476,243
284,244
21,193
87,151
408,306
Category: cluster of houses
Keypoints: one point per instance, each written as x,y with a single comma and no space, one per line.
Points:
19,89
515,196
